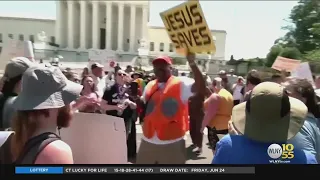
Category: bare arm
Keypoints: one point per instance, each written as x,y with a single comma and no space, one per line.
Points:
132,104
76,105
79,103
211,109
107,107
57,152
208,92
200,83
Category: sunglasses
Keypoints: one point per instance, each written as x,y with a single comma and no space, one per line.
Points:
122,74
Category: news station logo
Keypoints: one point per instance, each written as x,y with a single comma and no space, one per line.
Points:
280,154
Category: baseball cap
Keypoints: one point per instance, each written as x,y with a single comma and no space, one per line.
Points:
269,115
46,88
17,66
95,65
240,77
221,72
166,59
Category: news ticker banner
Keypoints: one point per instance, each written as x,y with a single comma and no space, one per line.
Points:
134,170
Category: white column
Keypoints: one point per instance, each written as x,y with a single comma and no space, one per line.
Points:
132,27
95,24
83,15
59,23
108,25
120,26
70,24
145,17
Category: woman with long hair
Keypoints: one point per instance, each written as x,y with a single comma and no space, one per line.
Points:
89,91
308,138
85,72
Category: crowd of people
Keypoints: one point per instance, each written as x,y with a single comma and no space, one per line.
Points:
251,112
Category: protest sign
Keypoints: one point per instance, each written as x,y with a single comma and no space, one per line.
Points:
303,71
188,29
96,139
4,135
21,49
16,48
287,64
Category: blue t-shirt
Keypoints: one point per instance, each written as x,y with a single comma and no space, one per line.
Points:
308,138
233,149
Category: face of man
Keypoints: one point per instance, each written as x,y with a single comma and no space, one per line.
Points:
162,70
98,72
240,81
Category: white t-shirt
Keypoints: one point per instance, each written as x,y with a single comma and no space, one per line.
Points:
237,92
186,84
102,84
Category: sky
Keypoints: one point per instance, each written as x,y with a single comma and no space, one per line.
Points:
251,26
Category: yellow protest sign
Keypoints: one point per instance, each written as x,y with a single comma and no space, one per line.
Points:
188,29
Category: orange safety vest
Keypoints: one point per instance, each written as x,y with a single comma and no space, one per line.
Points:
166,114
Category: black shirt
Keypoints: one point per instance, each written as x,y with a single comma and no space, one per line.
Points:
113,96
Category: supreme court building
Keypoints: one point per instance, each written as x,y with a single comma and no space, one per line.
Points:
80,26
112,25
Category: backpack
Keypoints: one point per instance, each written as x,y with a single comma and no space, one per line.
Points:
34,146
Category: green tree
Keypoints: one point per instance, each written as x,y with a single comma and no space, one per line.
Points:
260,61
291,52
312,55
273,54
304,33
278,50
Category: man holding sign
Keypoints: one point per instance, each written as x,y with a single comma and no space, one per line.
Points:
166,117
188,29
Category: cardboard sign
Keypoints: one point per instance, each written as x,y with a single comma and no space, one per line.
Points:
4,135
287,64
96,139
21,49
16,48
303,71
188,29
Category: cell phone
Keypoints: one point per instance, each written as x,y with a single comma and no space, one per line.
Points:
134,88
